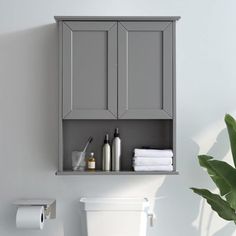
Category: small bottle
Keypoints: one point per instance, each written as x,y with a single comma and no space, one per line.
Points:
91,162
106,155
116,151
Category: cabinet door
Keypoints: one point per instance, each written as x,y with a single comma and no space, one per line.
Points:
145,70
89,70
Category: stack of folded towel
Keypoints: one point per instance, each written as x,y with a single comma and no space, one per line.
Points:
152,160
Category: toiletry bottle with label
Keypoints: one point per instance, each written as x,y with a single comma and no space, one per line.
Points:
116,151
91,162
106,154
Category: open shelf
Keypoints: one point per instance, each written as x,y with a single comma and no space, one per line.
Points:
133,133
117,173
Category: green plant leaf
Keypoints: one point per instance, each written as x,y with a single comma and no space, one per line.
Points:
218,204
231,127
231,198
205,161
228,173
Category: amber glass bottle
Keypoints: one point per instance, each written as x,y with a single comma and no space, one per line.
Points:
91,162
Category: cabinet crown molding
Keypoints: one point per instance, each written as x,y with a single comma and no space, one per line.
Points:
117,18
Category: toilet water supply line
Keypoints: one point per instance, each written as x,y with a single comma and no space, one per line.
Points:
151,215
152,218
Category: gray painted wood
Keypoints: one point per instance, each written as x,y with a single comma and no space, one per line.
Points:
167,70
89,70
133,134
116,18
130,128
143,26
174,96
72,173
145,70
60,128
66,70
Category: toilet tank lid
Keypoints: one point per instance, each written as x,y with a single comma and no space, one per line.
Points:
114,204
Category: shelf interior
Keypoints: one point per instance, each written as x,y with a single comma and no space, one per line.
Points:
133,134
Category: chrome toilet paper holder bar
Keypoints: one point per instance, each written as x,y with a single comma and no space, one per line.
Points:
48,204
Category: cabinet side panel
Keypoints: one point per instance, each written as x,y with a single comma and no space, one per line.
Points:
67,70
60,128
174,95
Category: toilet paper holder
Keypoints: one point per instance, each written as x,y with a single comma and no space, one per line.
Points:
48,204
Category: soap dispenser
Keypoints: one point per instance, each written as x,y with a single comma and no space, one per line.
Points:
116,151
106,155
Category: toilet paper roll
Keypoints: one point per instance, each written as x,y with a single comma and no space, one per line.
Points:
30,217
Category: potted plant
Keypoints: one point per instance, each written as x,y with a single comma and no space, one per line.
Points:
224,176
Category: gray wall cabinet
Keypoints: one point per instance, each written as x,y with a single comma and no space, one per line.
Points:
116,72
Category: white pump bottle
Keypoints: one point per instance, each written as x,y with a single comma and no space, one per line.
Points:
116,151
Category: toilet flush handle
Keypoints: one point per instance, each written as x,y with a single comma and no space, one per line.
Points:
152,218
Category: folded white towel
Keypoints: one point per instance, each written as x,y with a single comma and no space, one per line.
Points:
153,153
150,161
153,168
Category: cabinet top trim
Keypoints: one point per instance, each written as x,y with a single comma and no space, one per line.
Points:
117,18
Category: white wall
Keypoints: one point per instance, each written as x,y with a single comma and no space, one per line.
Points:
206,83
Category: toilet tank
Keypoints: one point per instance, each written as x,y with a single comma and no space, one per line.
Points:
114,216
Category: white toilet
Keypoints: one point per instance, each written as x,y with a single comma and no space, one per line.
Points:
115,216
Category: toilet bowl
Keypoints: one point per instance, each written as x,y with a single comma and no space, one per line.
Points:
114,216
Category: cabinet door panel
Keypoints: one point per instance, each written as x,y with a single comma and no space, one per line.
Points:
89,70
145,70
